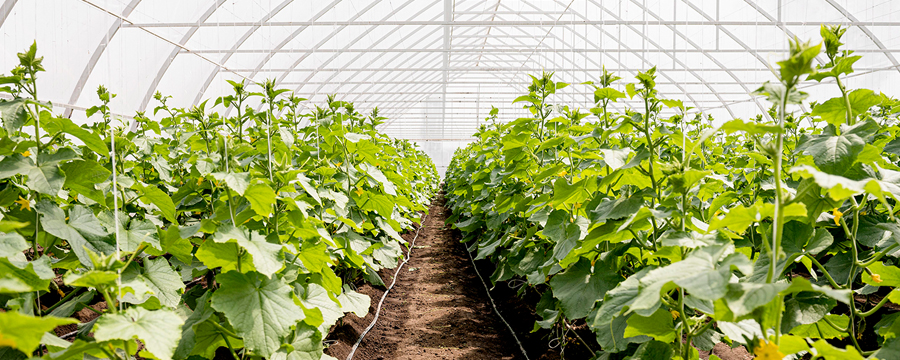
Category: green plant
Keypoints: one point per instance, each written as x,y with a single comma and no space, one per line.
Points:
665,235
199,231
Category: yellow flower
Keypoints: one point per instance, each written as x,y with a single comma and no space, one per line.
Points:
339,164
359,192
767,351
675,314
562,173
837,216
24,204
876,278
199,181
26,153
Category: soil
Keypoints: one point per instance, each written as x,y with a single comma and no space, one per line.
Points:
439,309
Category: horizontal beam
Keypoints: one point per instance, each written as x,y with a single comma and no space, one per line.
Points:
503,23
492,69
514,49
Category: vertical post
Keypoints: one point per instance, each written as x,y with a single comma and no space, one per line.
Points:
448,17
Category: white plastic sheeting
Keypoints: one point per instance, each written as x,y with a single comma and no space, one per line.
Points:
434,67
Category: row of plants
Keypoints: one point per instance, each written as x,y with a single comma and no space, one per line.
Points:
195,234
665,235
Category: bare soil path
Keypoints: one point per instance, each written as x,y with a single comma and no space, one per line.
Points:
437,310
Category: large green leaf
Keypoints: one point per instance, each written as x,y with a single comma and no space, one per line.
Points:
14,114
238,182
91,140
155,196
159,276
260,309
81,175
24,332
833,154
81,229
261,198
45,179
658,325
834,111
159,330
266,256
581,285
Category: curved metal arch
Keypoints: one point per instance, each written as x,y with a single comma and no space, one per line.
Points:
315,47
168,62
358,38
866,31
291,37
95,57
692,72
6,9
238,44
625,46
738,41
550,60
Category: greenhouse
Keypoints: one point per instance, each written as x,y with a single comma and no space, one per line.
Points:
449,179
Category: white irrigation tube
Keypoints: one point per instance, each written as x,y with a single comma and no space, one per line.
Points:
488,292
393,282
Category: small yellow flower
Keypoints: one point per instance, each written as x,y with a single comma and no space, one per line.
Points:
24,204
199,181
339,164
577,206
359,192
718,212
876,278
26,153
837,216
767,351
562,173
675,314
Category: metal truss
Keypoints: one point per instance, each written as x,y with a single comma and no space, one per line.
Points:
460,52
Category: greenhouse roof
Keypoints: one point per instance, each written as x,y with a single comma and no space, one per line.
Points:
433,67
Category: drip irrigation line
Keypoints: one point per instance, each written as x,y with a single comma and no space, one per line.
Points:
494,305
384,296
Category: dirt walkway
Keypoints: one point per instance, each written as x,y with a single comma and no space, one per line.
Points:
437,310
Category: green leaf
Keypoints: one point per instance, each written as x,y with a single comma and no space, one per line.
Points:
352,301
82,230
159,276
24,332
261,198
380,204
159,330
81,175
238,182
608,93
562,232
91,140
13,114
45,179
12,244
266,256
157,197
581,285
214,255
833,154
91,278
834,111
659,326
306,344
354,137
888,275
821,330
260,309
